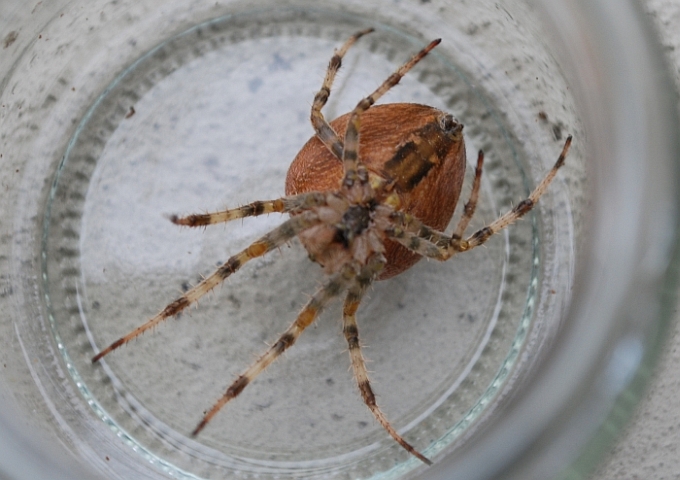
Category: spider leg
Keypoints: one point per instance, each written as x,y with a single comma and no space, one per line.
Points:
263,245
427,245
471,205
405,226
294,203
521,209
350,155
309,312
421,230
418,237
323,130
351,332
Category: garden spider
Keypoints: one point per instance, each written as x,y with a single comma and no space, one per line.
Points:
364,210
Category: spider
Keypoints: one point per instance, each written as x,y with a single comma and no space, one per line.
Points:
369,195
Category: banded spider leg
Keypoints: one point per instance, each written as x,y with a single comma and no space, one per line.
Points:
420,238
265,244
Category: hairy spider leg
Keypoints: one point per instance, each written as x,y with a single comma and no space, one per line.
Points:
521,209
471,205
323,130
420,242
263,245
420,230
418,237
292,204
351,331
350,155
333,286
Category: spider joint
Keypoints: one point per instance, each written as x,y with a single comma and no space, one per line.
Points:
457,244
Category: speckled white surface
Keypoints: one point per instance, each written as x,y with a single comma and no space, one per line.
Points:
649,446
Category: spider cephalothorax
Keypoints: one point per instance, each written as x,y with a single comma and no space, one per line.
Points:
398,169
369,195
406,166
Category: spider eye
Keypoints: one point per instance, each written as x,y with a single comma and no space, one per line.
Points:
449,124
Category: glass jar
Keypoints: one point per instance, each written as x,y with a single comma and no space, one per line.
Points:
518,360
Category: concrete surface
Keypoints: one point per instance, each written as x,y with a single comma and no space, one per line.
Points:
649,448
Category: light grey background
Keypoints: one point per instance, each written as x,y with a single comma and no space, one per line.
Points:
648,449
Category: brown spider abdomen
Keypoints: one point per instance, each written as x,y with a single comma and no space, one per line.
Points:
384,128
